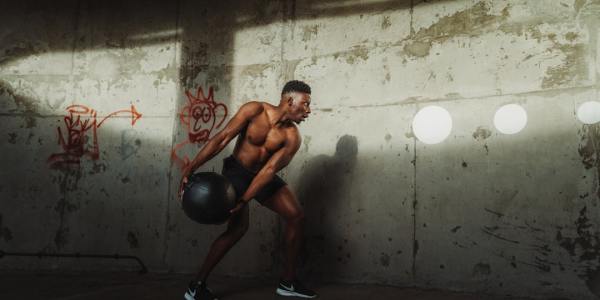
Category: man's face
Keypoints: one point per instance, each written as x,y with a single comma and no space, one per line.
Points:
300,107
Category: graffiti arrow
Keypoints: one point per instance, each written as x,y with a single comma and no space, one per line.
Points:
135,115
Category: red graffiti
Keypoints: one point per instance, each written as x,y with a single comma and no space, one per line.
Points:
199,117
79,138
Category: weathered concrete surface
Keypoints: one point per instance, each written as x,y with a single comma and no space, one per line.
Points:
481,211
333,179
502,207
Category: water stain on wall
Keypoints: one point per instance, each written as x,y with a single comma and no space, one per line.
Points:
12,138
194,54
388,137
589,150
384,259
289,69
68,180
132,240
481,133
97,168
130,143
386,23
5,232
60,237
306,141
308,32
482,269
585,248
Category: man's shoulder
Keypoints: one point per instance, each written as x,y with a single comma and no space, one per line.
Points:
254,104
252,107
293,131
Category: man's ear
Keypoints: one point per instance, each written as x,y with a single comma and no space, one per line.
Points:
290,100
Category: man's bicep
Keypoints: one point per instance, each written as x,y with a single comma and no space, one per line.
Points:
284,156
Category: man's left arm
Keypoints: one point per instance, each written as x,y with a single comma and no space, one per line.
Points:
278,161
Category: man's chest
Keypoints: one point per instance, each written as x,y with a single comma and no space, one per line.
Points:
259,133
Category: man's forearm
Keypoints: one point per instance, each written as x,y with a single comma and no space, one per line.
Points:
210,149
262,178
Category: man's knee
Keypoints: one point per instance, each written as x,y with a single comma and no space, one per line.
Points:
244,228
236,234
238,230
296,216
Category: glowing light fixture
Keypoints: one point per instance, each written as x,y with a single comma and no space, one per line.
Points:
589,112
432,124
510,119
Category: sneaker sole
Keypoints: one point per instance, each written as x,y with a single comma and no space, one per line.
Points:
188,297
283,292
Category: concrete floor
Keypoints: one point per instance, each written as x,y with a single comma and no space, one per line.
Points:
172,286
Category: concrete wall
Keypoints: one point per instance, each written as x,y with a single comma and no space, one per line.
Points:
481,211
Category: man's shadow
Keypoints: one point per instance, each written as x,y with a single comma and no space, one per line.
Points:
321,191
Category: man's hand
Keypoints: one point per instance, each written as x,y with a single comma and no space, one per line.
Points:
182,183
240,204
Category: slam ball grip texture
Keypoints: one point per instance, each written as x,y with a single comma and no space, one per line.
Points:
208,197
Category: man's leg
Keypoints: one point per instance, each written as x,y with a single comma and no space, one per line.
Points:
236,228
284,203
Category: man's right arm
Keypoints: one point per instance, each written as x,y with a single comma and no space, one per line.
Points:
218,142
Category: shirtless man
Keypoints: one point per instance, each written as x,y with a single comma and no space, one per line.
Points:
267,141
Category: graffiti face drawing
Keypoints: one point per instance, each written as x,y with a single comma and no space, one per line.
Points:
201,115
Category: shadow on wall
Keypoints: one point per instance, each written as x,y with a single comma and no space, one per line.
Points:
320,192
72,25
147,22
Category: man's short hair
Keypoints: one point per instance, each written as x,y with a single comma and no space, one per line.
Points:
295,86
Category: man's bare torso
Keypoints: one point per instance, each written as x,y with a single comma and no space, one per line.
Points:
260,139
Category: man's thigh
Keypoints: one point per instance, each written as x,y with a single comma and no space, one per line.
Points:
240,220
284,203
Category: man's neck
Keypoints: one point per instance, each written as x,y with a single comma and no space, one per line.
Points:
280,118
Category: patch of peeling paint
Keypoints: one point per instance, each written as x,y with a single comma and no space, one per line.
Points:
573,67
351,56
469,22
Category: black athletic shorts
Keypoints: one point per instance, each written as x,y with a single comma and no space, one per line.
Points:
240,178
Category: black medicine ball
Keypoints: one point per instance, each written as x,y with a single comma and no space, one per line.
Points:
208,197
